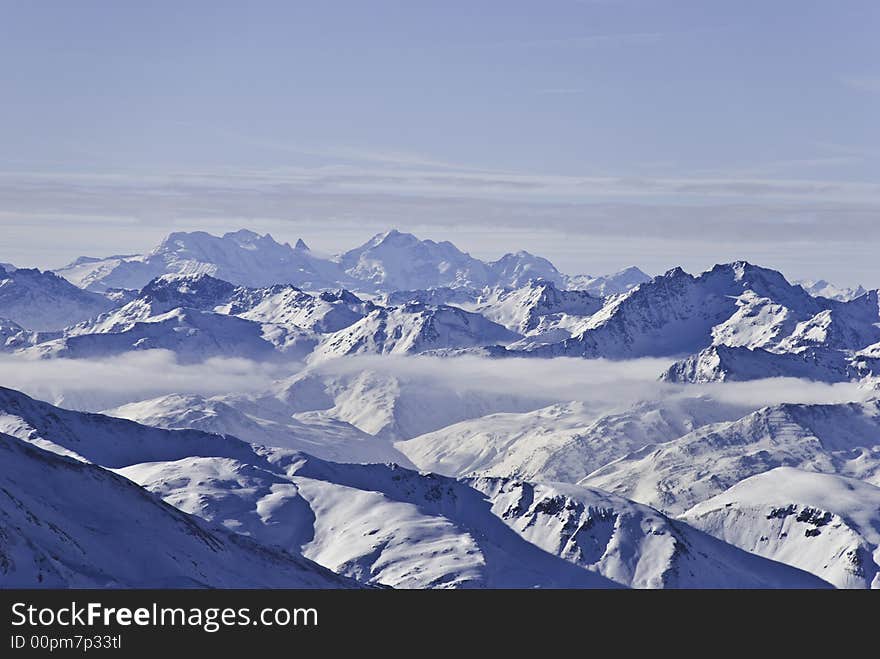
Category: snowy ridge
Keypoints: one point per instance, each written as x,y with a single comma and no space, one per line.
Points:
67,524
432,531
822,288
241,257
676,475
607,285
828,525
43,301
105,440
387,525
411,329
563,442
347,374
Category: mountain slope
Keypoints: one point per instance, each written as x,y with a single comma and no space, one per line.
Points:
42,301
674,476
538,309
321,436
191,334
411,329
563,442
518,269
825,524
383,524
105,440
605,285
676,312
725,364
400,261
67,524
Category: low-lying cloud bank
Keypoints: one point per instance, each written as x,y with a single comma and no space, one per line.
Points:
103,383
600,381
96,384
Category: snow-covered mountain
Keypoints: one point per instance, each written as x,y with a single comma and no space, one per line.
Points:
398,356
517,269
271,425
736,321
199,316
822,288
67,524
192,335
385,525
722,363
456,297
562,442
105,440
15,337
763,339
380,524
825,524
389,261
44,302
385,405
242,257
676,312
323,313
400,261
413,328
395,261
283,305
538,310
605,285
676,475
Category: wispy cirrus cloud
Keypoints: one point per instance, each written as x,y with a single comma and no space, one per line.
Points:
344,179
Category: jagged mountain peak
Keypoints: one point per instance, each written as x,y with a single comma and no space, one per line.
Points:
676,273
340,295
199,290
202,239
412,328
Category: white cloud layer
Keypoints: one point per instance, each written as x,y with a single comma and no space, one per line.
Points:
96,384
602,382
100,384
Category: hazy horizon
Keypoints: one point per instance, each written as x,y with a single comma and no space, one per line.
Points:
598,134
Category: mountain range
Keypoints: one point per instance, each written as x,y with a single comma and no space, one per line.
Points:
416,417
736,321
377,524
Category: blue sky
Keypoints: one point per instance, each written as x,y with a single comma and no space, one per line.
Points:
600,132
